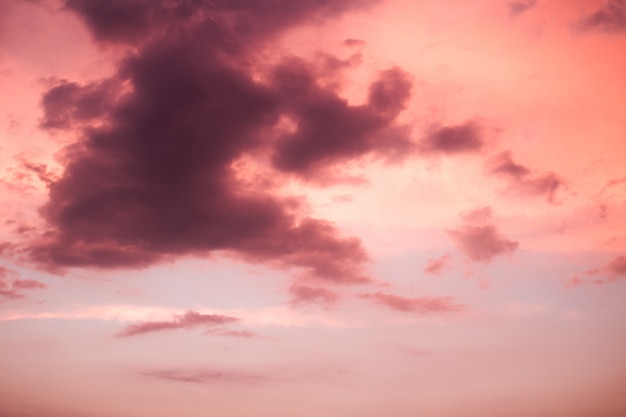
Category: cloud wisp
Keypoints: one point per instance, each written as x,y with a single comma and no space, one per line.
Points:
521,179
610,18
438,265
13,287
189,320
418,305
612,271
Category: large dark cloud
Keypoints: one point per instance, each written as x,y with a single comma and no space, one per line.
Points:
611,18
522,179
131,21
152,176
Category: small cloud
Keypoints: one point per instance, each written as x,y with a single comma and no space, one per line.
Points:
477,216
617,268
451,140
28,284
522,179
201,376
420,305
350,42
12,287
303,294
610,18
612,271
437,265
244,334
519,7
188,320
482,243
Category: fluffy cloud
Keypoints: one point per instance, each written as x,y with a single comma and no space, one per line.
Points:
152,175
478,239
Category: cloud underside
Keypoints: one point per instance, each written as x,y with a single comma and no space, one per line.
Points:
154,174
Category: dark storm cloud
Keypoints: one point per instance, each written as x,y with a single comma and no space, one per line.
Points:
611,18
451,140
151,177
522,179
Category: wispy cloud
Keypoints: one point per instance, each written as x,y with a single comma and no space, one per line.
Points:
273,316
612,271
419,305
190,319
521,179
202,376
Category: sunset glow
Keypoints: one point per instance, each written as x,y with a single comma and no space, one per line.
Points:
341,208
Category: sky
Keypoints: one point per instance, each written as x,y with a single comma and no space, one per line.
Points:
342,208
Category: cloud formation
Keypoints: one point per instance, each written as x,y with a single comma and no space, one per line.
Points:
152,176
13,287
612,271
437,265
190,319
304,294
478,239
202,376
518,7
611,18
522,179
419,305
452,140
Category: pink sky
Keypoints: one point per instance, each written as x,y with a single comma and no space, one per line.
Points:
344,208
